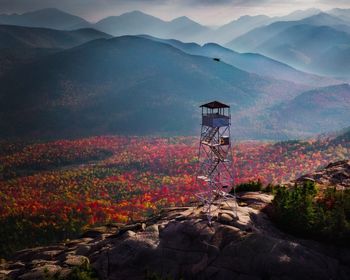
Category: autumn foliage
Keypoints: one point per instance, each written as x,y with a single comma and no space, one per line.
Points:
52,191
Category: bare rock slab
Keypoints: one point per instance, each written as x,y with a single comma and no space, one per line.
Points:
180,244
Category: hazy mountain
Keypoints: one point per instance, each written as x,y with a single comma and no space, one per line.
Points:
315,111
20,45
183,27
251,62
244,24
323,19
237,27
252,40
298,15
302,46
135,23
265,66
342,136
20,37
126,85
343,14
49,18
132,23
335,61
294,46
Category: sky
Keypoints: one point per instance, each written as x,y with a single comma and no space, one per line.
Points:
208,12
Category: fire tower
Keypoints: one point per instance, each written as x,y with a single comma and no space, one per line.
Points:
215,158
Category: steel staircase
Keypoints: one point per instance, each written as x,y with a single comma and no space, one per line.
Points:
210,135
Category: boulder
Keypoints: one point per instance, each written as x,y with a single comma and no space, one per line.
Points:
83,249
152,229
41,272
76,260
225,218
240,243
336,174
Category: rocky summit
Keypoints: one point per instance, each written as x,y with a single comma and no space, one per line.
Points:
336,174
241,243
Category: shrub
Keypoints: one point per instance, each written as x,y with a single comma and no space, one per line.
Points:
149,275
307,212
270,188
253,186
84,272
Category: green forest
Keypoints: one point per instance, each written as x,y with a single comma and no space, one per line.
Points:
309,212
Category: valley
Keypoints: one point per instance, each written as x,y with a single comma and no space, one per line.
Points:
58,189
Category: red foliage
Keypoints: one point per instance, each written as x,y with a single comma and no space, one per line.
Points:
139,176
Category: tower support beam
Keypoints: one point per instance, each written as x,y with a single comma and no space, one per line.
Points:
215,173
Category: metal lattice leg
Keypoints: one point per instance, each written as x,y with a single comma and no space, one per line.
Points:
215,157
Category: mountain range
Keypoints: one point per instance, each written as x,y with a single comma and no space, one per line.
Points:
45,38
116,86
253,39
343,14
20,45
253,34
181,28
312,112
84,82
250,62
49,18
302,44
135,23
131,23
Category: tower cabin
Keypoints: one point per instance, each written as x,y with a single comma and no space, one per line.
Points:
215,114
216,117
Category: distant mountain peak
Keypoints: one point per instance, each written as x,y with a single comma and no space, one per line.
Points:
322,14
40,11
316,10
323,18
47,10
247,18
250,17
183,18
136,12
212,45
309,11
47,18
339,10
126,20
300,14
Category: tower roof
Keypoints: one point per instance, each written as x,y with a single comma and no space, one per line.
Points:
215,105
